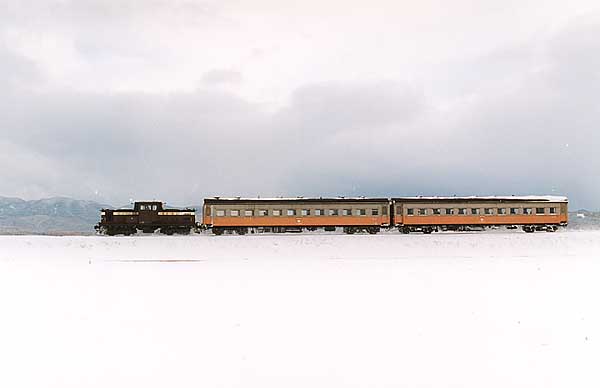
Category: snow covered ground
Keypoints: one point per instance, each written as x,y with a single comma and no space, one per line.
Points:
444,310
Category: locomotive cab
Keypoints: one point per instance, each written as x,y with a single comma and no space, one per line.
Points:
148,206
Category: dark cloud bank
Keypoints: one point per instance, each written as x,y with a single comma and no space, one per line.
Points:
530,125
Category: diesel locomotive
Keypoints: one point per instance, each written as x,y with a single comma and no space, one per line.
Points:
148,217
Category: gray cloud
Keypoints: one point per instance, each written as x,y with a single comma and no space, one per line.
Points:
517,121
219,77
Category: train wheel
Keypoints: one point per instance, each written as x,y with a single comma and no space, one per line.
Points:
372,230
217,231
349,230
241,231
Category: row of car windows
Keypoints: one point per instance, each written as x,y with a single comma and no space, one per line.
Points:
302,212
477,211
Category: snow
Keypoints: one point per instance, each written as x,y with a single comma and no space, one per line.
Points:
491,309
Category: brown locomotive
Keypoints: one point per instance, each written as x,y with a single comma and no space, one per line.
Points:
148,217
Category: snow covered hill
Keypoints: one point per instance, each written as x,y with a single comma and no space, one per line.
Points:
58,215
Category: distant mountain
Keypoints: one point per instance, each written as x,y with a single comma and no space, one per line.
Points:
584,219
58,215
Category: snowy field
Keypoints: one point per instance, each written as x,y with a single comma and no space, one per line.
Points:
444,310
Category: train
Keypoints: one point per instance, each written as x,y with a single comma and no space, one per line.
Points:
222,215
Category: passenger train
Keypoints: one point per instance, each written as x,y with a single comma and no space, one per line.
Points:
352,215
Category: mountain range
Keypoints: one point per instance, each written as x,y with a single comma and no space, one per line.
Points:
58,215
68,216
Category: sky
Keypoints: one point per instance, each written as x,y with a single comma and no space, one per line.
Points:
177,100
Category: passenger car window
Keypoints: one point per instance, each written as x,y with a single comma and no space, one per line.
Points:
375,212
422,212
319,212
527,210
501,210
362,212
234,213
552,210
462,211
514,210
248,213
291,212
449,211
305,212
437,211
220,213
539,210
410,212
488,211
333,212
263,212
475,211
277,212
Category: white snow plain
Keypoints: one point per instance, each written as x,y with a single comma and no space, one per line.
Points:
495,309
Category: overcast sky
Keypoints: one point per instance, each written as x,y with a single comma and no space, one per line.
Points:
177,100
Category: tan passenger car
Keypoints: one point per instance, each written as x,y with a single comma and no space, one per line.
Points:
295,214
428,214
